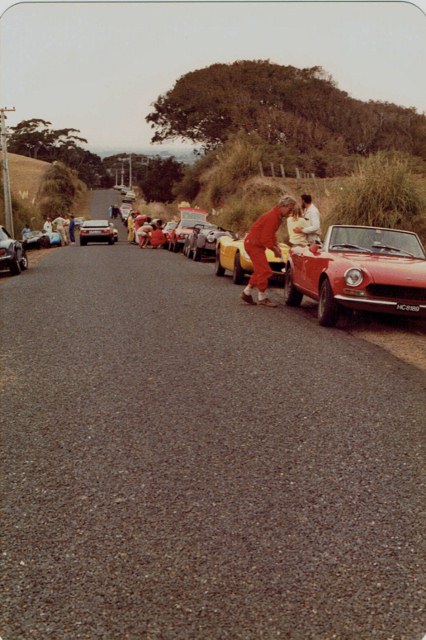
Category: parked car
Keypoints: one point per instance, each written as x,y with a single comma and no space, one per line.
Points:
96,231
114,231
202,241
129,196
179,234
55,239
168,228
232,256
36,240
125,211
78,221
365,268
12,253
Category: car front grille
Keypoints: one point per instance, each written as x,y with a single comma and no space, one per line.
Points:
397,292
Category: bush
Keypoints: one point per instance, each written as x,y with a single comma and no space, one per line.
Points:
381,193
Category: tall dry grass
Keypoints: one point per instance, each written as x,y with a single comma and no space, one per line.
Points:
382,192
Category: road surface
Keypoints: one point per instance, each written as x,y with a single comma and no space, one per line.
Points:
177,465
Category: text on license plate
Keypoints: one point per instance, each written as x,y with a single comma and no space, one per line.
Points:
409,308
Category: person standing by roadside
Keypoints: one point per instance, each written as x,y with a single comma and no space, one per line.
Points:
131,228
262,236
72,230
47,227
60,223
296,221
312,231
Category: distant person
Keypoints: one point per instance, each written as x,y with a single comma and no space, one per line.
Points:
60,223
158,237
296,221
312,230
25,232
144,233
262,236
131,228
47,227
67,228
72,229
140,219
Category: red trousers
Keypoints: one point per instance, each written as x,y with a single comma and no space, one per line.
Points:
261,269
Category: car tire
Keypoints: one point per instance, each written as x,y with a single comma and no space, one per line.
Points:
176,247
111,241
218,269
23,263
328,308
238,273
15,267
83,243
196,254
292,295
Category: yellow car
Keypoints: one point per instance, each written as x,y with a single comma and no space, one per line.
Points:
232,256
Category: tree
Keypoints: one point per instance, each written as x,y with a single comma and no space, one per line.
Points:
157,178
36,139
286,106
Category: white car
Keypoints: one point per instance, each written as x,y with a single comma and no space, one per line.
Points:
125,211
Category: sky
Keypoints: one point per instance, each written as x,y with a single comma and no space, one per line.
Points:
99,66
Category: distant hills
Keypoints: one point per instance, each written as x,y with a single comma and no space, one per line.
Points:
182,154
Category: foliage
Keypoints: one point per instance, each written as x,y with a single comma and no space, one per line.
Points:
157,177
382,193
300,111
59,190
36,139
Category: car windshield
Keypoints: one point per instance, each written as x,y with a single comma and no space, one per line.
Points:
188,224
376,241
3,235
96,223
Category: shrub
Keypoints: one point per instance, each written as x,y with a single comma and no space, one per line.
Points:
381,193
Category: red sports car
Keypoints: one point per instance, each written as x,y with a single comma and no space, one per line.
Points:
365,268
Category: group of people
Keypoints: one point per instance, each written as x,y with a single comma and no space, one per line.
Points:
144,231
303,225
64,225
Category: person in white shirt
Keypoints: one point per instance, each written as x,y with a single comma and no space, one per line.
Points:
60,223
310,213
47,227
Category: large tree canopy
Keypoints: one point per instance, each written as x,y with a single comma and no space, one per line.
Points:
284,105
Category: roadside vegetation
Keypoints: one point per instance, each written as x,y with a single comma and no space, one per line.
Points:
59,191
260,130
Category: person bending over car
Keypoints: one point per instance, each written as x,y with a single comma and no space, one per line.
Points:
262,236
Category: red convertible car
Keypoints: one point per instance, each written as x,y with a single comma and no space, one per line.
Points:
365,268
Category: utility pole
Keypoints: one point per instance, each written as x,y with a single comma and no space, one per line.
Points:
6,182
130,172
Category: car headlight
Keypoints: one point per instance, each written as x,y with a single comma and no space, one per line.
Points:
353,277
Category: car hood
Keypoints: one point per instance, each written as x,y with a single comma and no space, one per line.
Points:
390,269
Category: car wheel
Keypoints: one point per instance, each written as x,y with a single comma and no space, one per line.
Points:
24,262
218,269
328,308
15,267
111,241
292,296
238,273
196,255
83,243
175,247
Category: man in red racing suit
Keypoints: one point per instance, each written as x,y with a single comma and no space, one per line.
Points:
262,236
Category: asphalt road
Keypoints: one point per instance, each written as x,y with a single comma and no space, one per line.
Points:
179,465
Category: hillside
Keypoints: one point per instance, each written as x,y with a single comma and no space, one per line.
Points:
26,176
